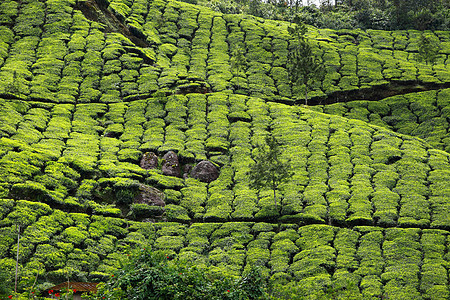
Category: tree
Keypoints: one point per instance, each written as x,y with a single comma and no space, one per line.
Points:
148,274
17,258
325,5
238,63
13,86
269,170
5,282
428,48
303,67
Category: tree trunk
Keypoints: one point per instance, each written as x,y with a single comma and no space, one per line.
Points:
67,292
274,196
34,283
17,259
274,192
306,95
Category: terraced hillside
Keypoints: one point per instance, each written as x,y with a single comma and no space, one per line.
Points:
90,90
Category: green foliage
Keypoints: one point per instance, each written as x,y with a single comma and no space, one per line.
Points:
141,211
176,213
84,99
428,48
154,275
269,170
238,63
303,66
6,283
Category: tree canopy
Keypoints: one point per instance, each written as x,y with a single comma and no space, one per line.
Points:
428,48
269,170
346,14
303,65
152,274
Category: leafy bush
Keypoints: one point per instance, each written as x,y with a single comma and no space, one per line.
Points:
154,275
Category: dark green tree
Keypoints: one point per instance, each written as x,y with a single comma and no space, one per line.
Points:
238,63
6,285
303,66
428,48
269,170
151,274
13,86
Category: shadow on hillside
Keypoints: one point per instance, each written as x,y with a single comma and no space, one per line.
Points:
377,93
97,10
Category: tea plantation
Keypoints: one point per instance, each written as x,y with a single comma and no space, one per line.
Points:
89,90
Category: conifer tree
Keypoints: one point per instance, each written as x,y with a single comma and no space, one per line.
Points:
238,63
304,68
428,49
269,170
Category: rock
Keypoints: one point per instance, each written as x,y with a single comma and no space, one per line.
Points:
171,165
109,134
150,195
149,161
205,171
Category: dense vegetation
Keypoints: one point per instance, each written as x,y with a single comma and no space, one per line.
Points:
88,89
151,274
348,14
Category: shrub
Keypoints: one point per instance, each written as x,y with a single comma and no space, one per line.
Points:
141,211
154,275
31,191
177,213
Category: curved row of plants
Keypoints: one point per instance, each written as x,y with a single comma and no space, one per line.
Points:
364,215
362,263
52,52
86,157
424,115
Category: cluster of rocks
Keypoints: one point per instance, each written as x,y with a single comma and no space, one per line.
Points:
204,171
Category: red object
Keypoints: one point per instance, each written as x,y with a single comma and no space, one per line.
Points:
10,296
228,291
50,291
74,290
112,275
79,286
57,295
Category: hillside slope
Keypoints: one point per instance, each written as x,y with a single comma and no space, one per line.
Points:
59,55
90,90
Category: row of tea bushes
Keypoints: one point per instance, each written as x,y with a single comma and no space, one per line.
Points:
345,170
52,52
60,56
423,114
8,12
356,175
258,40
354,58
362,262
